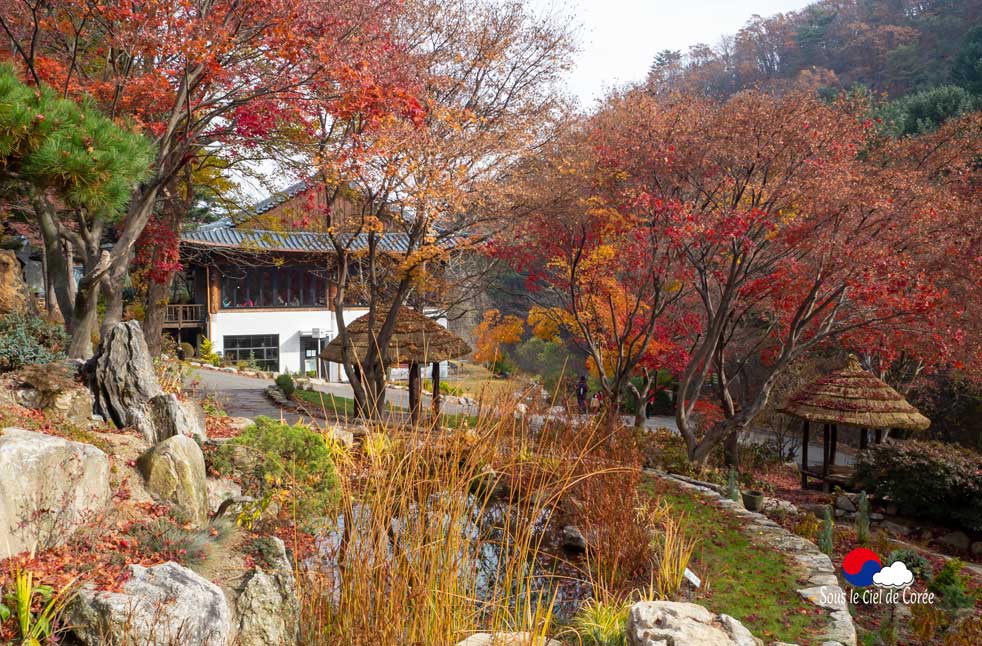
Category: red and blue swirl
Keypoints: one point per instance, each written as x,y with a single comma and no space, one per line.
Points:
859,566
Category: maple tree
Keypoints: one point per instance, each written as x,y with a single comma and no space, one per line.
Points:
795,228
493,333
188,74
429,174
595,263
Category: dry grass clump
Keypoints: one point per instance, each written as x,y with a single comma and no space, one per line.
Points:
441,534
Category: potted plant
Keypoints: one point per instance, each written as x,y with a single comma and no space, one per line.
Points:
753,500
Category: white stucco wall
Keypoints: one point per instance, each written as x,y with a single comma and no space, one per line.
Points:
290,325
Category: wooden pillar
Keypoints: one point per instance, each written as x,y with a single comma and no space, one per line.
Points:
435,405
879,436
804,454
833,444
415,391
863,439
826,434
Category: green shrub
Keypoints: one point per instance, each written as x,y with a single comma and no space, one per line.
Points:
207,352
293,464
925,479
285,383
825,533
950,584
29,339
862,519
919,566
188,350
602,624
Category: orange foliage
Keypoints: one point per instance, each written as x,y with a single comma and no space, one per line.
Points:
494,332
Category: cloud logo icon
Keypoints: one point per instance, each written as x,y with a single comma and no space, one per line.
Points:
895,575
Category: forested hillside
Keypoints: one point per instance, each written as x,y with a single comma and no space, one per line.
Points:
896,47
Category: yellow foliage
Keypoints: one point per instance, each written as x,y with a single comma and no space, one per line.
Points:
496,331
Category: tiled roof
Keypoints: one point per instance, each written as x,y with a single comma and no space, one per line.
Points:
226,233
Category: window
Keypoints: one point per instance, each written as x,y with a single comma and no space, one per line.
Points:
261,349
276,287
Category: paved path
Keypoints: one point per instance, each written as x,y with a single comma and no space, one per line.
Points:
243,396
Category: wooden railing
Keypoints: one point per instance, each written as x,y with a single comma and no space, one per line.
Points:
184,315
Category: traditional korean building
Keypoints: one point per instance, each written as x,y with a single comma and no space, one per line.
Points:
265,294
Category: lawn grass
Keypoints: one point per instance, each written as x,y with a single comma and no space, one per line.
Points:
344,408
752,583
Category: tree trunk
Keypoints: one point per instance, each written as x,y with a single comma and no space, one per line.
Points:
154,313
58,269
85,318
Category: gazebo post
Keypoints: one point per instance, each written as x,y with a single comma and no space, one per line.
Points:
833,444
415,389
879,436
804,454
863,439
826,432
436,389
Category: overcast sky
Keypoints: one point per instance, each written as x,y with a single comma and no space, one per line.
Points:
619,38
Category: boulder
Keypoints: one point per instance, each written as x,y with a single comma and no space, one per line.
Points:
573,539
15,297
158,606
174,471
219,490
658,623
48,487
958,541
239,423
267,608
843,502
52,388
169,416
506,639
123,378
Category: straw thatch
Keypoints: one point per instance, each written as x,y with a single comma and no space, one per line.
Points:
416,338
855,397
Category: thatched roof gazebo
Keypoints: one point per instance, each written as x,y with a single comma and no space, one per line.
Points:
416,340
851,397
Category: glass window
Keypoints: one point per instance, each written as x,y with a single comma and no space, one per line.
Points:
274,287
263,350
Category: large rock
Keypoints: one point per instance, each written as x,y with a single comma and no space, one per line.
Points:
169,416
174,471
53,389
158,606
15,297
670,623
219,490
123,378
48,487
267,609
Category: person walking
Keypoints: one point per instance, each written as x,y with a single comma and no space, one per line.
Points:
581,389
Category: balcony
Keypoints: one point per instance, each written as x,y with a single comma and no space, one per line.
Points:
187,315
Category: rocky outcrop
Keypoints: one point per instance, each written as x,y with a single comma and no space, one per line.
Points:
53,389
174,471
267,608
48,487
158,606
219,490
657,623
169,416
15,297
123,378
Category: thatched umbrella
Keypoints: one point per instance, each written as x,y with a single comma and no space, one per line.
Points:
416,340
853,397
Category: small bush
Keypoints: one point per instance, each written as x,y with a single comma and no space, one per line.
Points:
188,350
25,340
286,384
292,464
926,479
602,624
919,566
951,585
825,533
